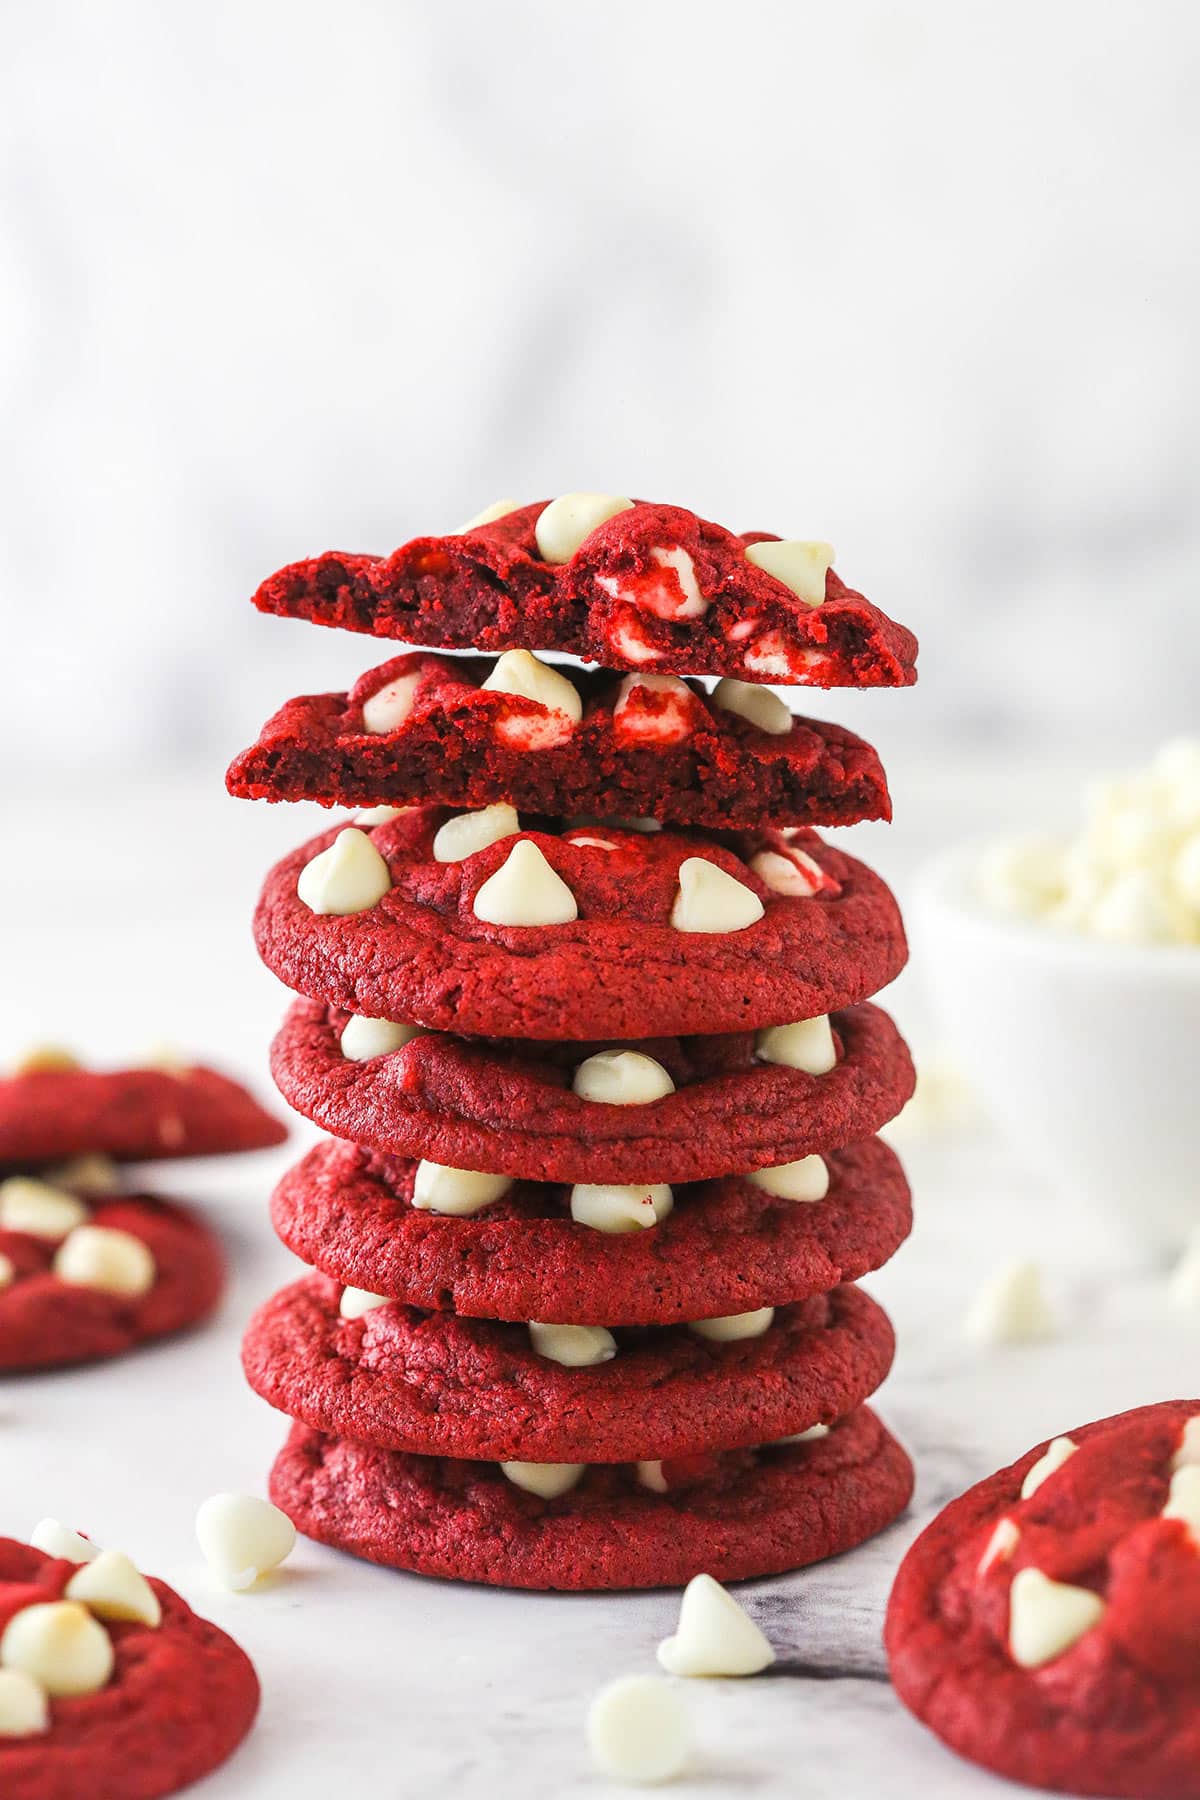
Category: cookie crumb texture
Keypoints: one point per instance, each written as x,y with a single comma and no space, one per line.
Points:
46,1322
674,756
738,1515
617,602
619,970
1113,1707
133,1115
180,1699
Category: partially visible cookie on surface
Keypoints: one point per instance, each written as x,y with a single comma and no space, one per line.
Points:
109,1684
1046,1623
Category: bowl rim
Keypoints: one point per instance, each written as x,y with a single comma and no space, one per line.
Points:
943,886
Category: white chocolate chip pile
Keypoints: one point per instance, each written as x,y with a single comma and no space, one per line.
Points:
1131,875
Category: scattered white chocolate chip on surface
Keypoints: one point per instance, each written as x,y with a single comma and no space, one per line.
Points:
800,564
546,1480
525,890
357,1301
24,1705
1010,1308
466,833
805,1179
459,1193
242,1537
715,1636
711,900
734,1326
520,672
1046,1617
1057,1452
54,1539
563,525
348,877
499,509
1188,1450
790,872
112,1588
38,1209
639,1730
613,1208
1000,1545
757,705
650,1475
1183,1499
621,1078
574,1346
110,1261
47,1059
60,1645
363,1038
391,705
806,1045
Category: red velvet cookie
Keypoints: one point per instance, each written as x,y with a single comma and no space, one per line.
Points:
619,970
436,1384
46,1321
655,587
134,1115
180,1699
509,1108
726,1247
672,755
1054,1638
737,1516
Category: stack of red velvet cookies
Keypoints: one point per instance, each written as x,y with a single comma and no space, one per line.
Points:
583,1008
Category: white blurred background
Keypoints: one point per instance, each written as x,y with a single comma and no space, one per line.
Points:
277,278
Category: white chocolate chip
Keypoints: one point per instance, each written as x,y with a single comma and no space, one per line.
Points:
711,900
459,1193
674,595
24,1705
650,1475
615,1209
381,815
389,707
1000,1545
1046,1617
1059,1451
734,1326
525,891
811,1436
668,724
806,1045
364,1038
791,872
8,1272
639,1730
801,565
591,843
110,1261
520,672
499,509
574,1346
629,642
90,1174
546,1480
54,1539
756,704
38,1209
349,877
112,1588
714,1635
622,1078
466,833
771,658
1183,1500
1188,1450
47,1059
357,1301
60,1645
1011,1308
242,1537
805,1179
564,525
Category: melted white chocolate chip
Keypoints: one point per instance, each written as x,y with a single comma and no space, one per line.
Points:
389,707
1058,1451
1046,1617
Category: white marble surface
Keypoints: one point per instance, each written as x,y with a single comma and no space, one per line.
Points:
127,923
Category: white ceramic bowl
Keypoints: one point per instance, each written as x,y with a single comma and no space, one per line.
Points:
1086,1053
